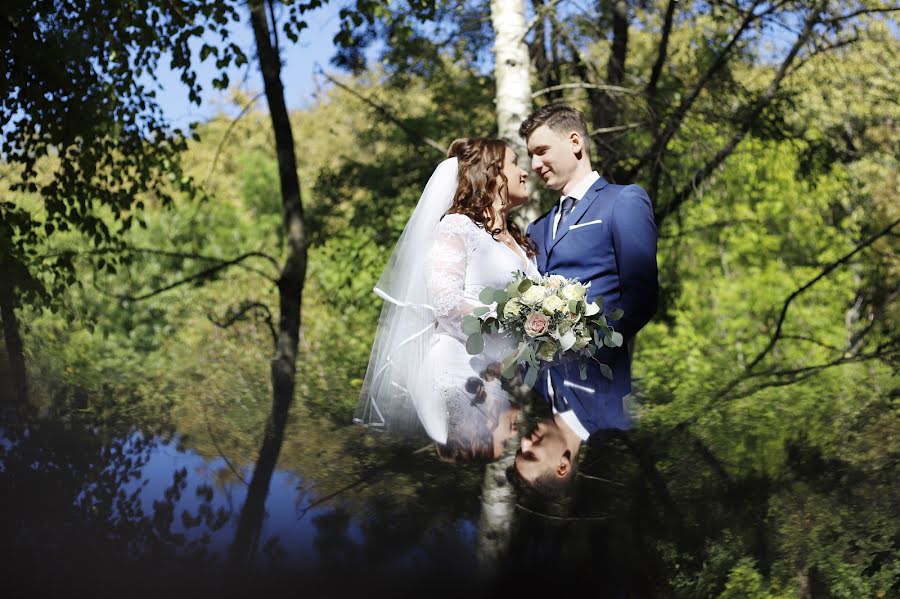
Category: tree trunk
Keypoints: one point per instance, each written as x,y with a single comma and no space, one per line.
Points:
497,511
13,271
607,113
290,290
546,65
512,71
14,346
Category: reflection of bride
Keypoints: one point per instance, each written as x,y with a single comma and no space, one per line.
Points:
457,242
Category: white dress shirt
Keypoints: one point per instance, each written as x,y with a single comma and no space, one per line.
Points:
581,188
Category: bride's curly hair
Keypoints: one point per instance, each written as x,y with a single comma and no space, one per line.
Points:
480,162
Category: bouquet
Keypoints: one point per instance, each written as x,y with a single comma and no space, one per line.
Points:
549,318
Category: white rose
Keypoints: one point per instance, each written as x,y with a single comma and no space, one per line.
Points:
581,341
575,291
512,308
534,295
553,304
546,351
555,281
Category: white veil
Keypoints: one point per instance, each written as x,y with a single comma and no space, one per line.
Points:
399,393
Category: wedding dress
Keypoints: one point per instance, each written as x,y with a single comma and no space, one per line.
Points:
419,368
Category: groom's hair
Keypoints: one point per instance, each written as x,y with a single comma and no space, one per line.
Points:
561,118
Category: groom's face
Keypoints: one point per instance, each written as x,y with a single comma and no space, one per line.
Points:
554,156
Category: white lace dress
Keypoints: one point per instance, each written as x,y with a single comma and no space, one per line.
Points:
462,261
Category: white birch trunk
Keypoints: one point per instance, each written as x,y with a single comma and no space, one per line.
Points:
498,505
512,71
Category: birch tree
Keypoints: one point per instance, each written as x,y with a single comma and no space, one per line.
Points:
512,73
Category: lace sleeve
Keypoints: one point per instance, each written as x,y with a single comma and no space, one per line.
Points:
446,265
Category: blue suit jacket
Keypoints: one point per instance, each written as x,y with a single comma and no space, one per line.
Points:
609,241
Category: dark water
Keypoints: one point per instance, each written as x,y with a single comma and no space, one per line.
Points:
137,511
90,510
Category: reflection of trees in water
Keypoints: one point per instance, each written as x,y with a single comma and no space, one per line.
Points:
72,511
655,517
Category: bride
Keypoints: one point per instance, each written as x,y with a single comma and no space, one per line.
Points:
458,241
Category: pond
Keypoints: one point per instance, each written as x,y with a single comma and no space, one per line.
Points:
146,509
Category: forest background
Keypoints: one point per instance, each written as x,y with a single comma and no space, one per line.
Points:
766,134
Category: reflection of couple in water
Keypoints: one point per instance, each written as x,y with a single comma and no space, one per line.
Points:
460,240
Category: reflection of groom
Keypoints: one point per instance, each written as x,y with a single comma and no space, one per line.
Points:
605,235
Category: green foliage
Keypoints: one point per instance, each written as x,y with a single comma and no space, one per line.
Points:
808,432
744,582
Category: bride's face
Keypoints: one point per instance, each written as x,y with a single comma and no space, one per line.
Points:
515,181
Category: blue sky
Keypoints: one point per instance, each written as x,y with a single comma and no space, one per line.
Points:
300,59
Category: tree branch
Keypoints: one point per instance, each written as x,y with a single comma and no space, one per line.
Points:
796,375
203,274
759,105
232,316
411,133
803,288
714,225
607,88
860,12
274,41
242,114
539,14
614,129
661,51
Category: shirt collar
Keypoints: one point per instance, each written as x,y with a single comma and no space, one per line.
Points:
583,186
572,421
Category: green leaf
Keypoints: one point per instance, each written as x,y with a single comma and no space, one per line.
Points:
525,284
509,370
512,290
617,314
487,295
617,338
475,344
500,296
480,311
470,325
606,371
531,377
582,371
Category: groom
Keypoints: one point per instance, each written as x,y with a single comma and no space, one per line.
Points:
605,235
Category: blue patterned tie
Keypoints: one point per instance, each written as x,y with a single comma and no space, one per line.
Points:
567,204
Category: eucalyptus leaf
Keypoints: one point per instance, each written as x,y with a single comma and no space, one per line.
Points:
531,377
617,314
582,371
512,290
475,344
480,311
487,295
470,324
525,285
509,371
617,338
500,296
606,371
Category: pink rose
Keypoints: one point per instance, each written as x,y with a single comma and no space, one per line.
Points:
536,324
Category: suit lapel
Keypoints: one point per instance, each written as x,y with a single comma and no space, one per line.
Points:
580,208
548,233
